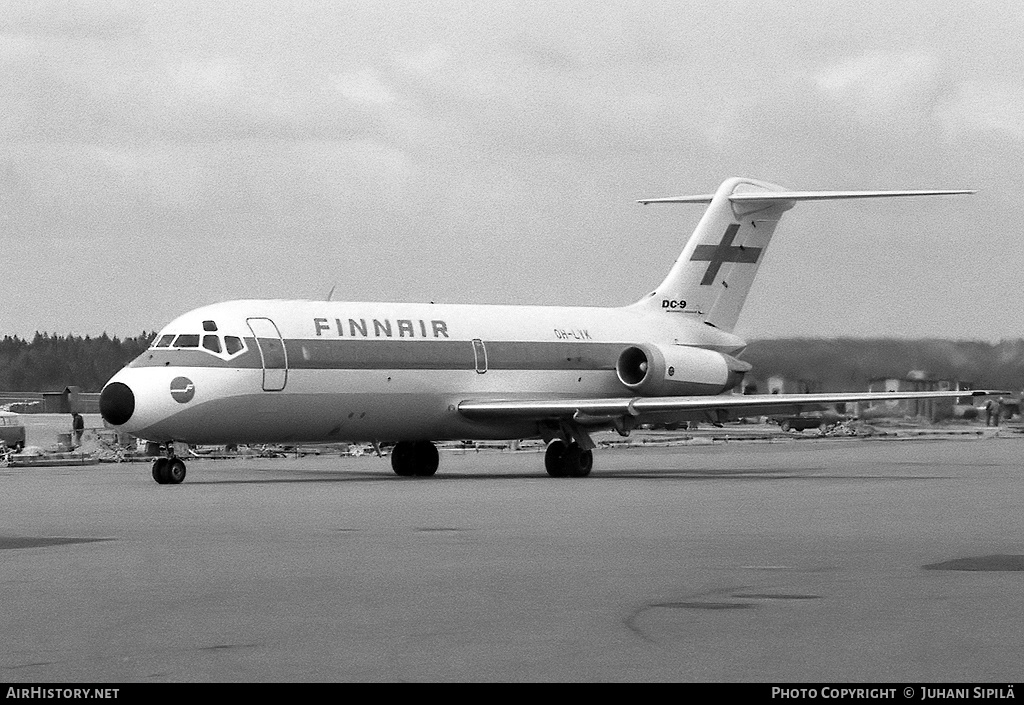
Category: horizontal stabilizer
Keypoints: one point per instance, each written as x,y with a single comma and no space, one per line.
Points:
768,196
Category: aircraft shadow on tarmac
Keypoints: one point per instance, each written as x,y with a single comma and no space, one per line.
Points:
738,474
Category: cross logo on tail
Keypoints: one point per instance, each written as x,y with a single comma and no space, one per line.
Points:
725,251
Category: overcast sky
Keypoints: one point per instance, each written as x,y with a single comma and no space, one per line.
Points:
158,156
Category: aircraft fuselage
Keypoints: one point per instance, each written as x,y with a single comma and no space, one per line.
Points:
311,371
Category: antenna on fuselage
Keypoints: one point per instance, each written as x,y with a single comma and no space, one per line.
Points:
331,292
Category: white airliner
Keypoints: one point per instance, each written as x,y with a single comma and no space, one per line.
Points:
411,374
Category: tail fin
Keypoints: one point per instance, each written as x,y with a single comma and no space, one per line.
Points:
714,273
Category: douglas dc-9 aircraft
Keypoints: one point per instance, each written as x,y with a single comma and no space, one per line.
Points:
411,374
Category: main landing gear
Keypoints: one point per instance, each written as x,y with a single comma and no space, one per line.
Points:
169,470
410,458
563,459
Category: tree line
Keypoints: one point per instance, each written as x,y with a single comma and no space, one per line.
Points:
52,362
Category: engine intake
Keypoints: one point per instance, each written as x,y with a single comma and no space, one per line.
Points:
648,369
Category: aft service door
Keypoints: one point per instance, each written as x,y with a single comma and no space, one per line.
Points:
275,357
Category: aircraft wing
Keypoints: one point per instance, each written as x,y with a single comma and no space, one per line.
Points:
597,411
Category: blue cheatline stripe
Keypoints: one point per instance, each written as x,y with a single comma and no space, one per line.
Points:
348,354
450,355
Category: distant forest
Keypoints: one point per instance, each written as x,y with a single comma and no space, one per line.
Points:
52,362
48,363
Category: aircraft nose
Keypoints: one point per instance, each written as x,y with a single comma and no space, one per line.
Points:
117,403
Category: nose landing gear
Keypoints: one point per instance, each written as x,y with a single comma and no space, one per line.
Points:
169,470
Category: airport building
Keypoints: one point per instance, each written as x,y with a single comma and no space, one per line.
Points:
920,381
63,401
914,381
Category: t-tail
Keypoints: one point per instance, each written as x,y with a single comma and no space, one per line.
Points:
713,275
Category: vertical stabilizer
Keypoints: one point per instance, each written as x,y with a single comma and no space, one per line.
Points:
713,275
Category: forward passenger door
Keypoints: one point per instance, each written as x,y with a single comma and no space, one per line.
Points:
272,352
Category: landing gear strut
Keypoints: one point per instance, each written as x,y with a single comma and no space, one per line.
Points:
568,460
169,470
414,458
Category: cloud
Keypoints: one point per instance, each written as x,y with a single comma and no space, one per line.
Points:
75,19
985,107
364,88
880,86
424,62
220,78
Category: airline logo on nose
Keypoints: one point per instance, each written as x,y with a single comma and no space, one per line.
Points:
182,390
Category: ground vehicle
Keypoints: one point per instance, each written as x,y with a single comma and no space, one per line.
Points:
12,430
822,422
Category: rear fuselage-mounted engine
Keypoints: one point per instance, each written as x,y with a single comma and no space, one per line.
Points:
648,369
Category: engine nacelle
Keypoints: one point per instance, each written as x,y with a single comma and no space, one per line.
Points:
677,370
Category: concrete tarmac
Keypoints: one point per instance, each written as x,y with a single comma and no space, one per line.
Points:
830,561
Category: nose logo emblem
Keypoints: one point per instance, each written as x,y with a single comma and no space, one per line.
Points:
182,390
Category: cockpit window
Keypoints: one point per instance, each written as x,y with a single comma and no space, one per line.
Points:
223,346
209,326
186,341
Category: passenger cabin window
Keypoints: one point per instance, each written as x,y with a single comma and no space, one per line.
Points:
211,343
232,344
